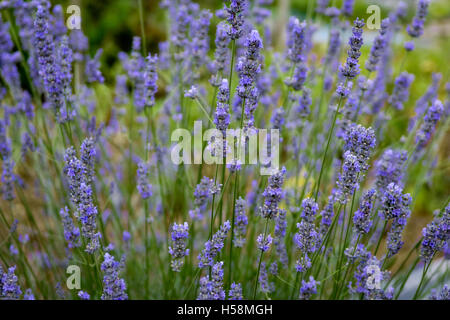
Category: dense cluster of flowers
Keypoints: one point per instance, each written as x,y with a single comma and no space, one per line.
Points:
436,235
89,180
273,195
213,246
212,289
114,287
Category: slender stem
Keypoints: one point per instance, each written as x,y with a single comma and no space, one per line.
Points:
328,143
230,263
146,209
399,291
260,260
349,224
425,269
202,107
404,262
211,226
235,193
325,241
294,288
230,78
141,18
381,237
344,279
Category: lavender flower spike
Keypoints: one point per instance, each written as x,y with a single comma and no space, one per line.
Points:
235,17
394,237
213,246
235,292
436,235
389,169
150,79
222,41
415,29
360,141
71,233
273,195
92,70
49,70
222,116
308,289
401,90
347,7
361,219
240,223
264,242
212,289
144,187
379,46
178,249
296,41
114,287
348,179
9,288
428,126
351,68
248,66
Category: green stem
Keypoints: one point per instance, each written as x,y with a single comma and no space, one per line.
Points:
328,144
260,260
230,78
425,269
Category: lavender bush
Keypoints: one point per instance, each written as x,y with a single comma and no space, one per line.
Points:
87,177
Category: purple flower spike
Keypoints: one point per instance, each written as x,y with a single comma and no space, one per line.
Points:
179,236
415,29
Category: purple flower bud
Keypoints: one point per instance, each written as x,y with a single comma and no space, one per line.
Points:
212,289
348,180
389,168
235,17
361,219
235,292
428,126
179,236
264,242
351,68
9,287
415,29
401,90
264,284
436,235
240,223
444,294
347,7
71,233
93,74
308,289
213,246
378,47
83,295
273,195
143,185
296,40
114,287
